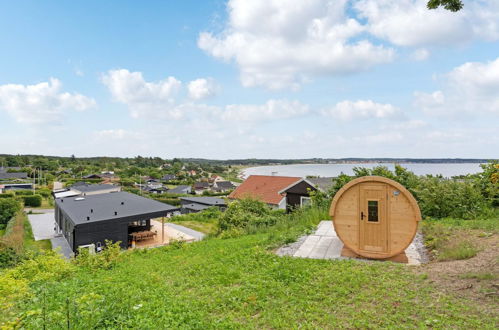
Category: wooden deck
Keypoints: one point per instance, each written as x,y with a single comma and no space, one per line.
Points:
170,234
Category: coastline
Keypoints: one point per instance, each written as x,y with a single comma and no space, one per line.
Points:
334,169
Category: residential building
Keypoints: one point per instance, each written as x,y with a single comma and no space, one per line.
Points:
197,204
93,219
223,186
279,192
180,190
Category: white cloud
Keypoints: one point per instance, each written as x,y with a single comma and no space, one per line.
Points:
116,134
410,23
469,89
143,98
420,54
280,44
202,88
361,109
41,103
271,110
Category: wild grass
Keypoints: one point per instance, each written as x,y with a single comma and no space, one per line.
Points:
237,283
480,276
457,251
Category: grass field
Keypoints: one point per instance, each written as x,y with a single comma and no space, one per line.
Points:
238,283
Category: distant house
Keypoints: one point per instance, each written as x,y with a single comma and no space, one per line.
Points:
180,190
323,184
4,187
197,204
13,176
155,190
223,186
92,176
169,177
279,192
200,187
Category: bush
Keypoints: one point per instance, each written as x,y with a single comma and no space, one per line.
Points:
24,192
7,195
8,208
46,193
33,201
247,212
442,198
171,201
103,260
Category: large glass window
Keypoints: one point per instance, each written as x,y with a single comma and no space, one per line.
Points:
372,211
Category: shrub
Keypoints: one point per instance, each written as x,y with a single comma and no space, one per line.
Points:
166,200
8,208
46,193
7,195
47,266
33,201
24,192
442,198
247,212
103,260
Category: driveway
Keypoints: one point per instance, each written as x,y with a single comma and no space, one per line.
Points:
42,224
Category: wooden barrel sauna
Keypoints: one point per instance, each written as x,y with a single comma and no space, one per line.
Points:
375,217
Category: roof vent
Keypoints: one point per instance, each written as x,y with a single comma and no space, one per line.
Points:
88,218
115,213
91,210
122,203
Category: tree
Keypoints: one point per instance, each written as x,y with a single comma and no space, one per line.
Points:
452,5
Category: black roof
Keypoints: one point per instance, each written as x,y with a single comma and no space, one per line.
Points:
205,200
102,207
15,175
225,184
84,188
196,207
201,184
178,190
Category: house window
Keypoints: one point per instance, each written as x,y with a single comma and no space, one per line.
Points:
304,201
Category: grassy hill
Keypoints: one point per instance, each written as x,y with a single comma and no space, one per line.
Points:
239,283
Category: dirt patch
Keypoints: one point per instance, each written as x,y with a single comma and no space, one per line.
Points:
475,279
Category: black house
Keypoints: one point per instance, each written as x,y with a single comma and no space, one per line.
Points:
197,204
113,216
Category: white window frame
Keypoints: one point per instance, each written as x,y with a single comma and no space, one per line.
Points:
302,198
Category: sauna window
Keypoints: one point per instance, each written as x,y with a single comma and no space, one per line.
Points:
372,211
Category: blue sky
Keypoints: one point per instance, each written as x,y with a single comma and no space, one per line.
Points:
243,79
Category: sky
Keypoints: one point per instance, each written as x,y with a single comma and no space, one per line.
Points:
249,79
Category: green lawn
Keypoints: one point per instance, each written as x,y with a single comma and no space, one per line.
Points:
238,283
204,227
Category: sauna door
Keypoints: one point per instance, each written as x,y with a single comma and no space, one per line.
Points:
373,218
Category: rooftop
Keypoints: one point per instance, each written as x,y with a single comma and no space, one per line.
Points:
264,187
116,205
205,200
84,188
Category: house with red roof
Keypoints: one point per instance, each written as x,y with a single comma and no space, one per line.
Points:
279,192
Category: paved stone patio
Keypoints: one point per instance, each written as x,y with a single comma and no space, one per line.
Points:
325,244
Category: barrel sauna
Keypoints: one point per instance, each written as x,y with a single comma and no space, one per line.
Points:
375,217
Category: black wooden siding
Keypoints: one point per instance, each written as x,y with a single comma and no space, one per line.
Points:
294,194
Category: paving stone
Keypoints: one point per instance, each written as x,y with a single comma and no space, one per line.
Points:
307,246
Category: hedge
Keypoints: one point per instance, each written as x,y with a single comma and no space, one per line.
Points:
24,192
33,201
171,201
6,195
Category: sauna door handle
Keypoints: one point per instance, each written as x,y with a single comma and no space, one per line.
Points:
361,215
